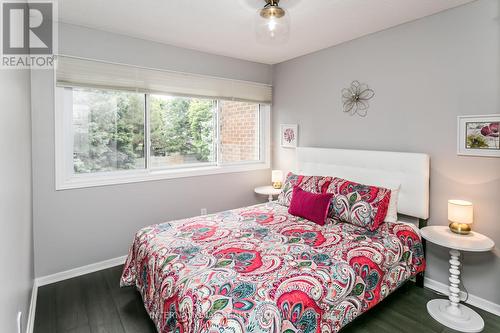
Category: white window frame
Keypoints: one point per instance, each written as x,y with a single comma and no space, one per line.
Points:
65,178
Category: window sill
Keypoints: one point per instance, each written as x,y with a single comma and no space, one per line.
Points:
136,176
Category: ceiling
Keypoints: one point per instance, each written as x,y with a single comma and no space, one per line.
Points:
225,27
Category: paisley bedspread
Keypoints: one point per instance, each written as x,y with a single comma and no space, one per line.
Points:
259,269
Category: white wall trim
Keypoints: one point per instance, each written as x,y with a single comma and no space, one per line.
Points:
48,279
472,300
31,315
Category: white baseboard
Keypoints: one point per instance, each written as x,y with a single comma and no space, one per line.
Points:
472,300
48,279
32,310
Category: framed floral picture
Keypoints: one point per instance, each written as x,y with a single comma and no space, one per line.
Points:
289,136
479,135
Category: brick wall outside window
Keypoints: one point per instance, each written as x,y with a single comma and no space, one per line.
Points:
239,131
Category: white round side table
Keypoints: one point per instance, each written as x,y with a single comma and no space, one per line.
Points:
268,190
450,312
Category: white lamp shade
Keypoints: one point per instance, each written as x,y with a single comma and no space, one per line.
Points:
460,211
277,176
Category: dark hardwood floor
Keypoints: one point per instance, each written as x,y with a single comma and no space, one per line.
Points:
95,303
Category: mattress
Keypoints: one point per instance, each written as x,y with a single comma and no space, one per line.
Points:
260,269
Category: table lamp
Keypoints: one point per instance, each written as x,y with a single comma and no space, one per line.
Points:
460,216
277,178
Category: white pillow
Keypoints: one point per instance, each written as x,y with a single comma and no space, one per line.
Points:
392,210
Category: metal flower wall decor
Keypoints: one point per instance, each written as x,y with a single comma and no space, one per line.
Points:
356,97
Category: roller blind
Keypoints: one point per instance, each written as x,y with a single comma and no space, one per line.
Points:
72,71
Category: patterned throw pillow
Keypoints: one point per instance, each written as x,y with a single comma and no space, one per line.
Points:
313,184
358,204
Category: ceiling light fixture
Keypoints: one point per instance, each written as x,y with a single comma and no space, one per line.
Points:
272,23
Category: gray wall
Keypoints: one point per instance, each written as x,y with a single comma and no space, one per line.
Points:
424,74
77,227
16,242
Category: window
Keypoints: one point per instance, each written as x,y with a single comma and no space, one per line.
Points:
183,131
108,130
106,136
239,132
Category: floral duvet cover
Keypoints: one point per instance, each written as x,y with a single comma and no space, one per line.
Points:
260,269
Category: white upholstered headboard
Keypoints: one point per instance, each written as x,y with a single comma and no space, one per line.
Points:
379,168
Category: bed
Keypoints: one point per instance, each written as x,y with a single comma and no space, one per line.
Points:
260,269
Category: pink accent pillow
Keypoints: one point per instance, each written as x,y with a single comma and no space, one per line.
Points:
362,205
311,206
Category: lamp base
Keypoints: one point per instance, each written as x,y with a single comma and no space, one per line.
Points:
460,228
277,185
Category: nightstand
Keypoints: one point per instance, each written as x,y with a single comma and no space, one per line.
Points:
450,312
268,190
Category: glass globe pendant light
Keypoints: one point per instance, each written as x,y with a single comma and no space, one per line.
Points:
272,23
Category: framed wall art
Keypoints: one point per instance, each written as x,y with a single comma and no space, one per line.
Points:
289,135
479,135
